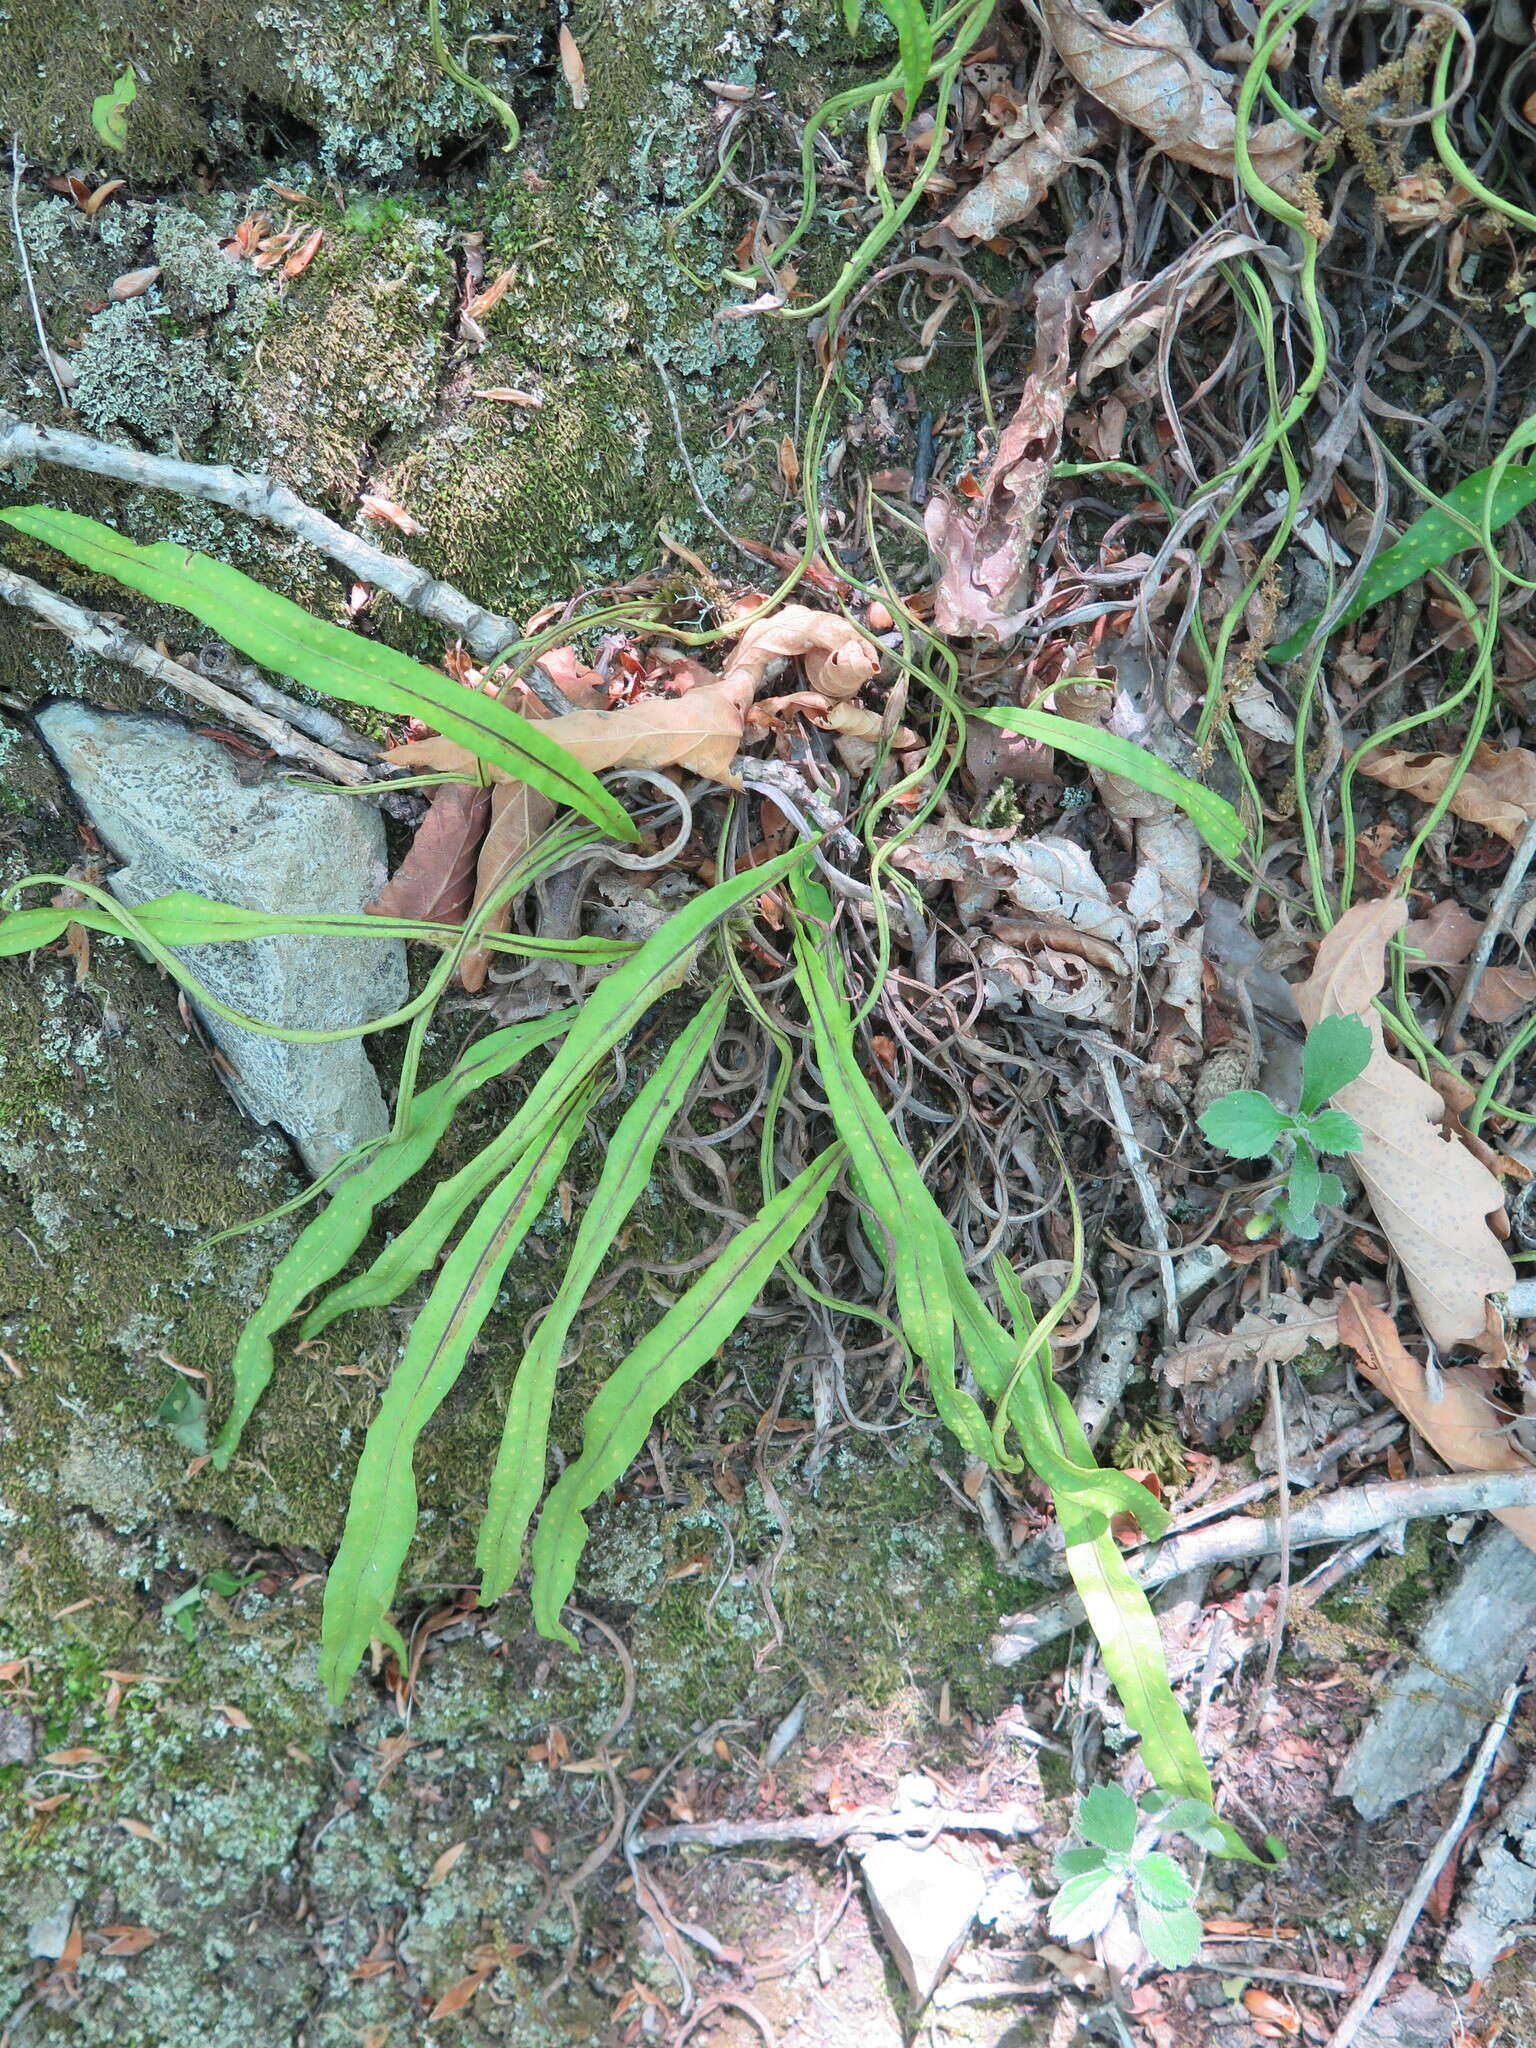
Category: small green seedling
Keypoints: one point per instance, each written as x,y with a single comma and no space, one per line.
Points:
1121,1850
1249,1126
109,112
183,1611
184,1411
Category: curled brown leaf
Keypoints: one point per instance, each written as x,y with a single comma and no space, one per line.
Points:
1429,1194
1497,792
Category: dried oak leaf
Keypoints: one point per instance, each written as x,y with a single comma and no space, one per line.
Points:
436,880
983,546
1149,74
701,731
1282,1329
1462,1426
1503,994
1430,1195
518,815
1012,189
839,659
1497,792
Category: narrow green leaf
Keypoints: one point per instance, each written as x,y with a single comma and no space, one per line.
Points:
852,13
1132,1649
1434,538
24,931
685,1339
1245,1123
1107,1817
518,1479
1337,1051
284,637
608,1015
891,1182
326,1243
914,42
1211,815
381,1514
1049,1432
186,919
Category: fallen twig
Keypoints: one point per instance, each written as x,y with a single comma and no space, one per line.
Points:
110,642
1402,1927
821,1829
1338,1519
24,261
485,633
1136,1164
1106,1370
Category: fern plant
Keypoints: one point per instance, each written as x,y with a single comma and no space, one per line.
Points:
480,1214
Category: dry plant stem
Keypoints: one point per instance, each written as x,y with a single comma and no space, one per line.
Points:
1355,1511
1283,1503
110,643
1488,938
1106,1372
822,1829
1151,1205
1402,1927
484,633
25,261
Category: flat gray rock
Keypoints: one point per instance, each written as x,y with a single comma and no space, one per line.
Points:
1500,1896
1439,1704
926,1903
170,806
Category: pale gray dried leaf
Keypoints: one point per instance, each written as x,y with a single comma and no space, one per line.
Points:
1282,1329
1149,74
1116,325
983,545
1012,189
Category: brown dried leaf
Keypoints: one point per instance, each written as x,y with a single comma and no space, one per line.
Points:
508,394
1431,1196
95,201
133,284
983,546
839,658
1498,790
444,1864
701,730
436,879
1502,994
373,505
1151,76
142,1831
1462,1426
236,1718
1282,1330
1444,935
518,815
457,1996
67,1758
128,1941
1012,189
305,254
575,70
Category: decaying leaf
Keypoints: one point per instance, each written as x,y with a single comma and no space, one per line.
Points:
373,505
143,1832
437,877
1459,1422
573,67
133,284
1282,1329
1497,792
1040,920
1443,937
457,1996
1150,75
128,1940
518,815
445,1864
983,546
700,730
1503,994
1012,189
839,659
1116,325
1429,1194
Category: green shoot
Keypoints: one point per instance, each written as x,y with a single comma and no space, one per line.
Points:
109,111
1120,1859
1247,1124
